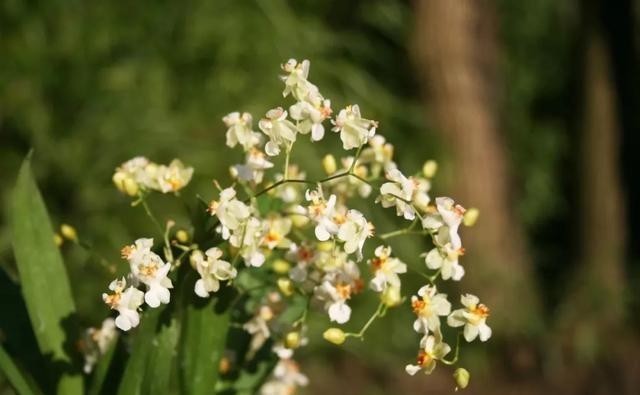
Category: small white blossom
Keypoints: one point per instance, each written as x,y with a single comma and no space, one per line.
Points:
275,231
432,350
174,177
230,211
354,232
337,288
240,130
446,221
212,271
285,379
354,130
258,327
446,260
310,114
296,83
249,239
96,341
399,193
386,269
322,212
428,306
279,129
126,302
254,168
473,317
148,268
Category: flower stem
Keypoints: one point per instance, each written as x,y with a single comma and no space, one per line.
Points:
366,326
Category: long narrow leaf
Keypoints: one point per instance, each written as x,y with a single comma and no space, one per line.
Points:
43,277
134,373
19,382
161,362
206,324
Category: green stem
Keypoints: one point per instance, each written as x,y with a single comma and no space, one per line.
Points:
456,354
366,326
147,210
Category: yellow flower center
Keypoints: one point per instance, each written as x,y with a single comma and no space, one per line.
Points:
423,358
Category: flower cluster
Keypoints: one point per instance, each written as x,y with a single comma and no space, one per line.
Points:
139,175
302,239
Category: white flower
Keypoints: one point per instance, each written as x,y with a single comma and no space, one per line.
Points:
174,177
96,341
379,155
445,260
279,129
148,268
446,221
428,307
253,169
432,350
337,289
135,174
310,114
126,302
473,317
322,212
240,130
285,379
258,328
296,83
275,231
399,193
249,239
212,270
230,211
354,130
386,270
354,232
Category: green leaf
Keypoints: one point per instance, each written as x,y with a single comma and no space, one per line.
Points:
134,373
102,368
19,382
43,278
206,323
161,360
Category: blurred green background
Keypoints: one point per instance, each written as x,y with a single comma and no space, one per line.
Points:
531,109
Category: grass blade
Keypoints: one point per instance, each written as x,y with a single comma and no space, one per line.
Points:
43,278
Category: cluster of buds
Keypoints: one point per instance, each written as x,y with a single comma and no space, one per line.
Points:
306,237
139,175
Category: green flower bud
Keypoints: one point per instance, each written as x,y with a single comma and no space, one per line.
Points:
334,335
462,376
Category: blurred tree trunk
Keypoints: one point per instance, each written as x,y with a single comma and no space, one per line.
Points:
592,314
458,54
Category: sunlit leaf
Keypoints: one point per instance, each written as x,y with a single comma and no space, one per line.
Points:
43,278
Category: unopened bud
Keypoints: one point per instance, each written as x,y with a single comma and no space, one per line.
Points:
281,266
329,164
58,239
334,335
462,376
130,187
299,220
182,236
325,246
195,257
292,340
430,168
471,216
285,286
391,296
69,232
